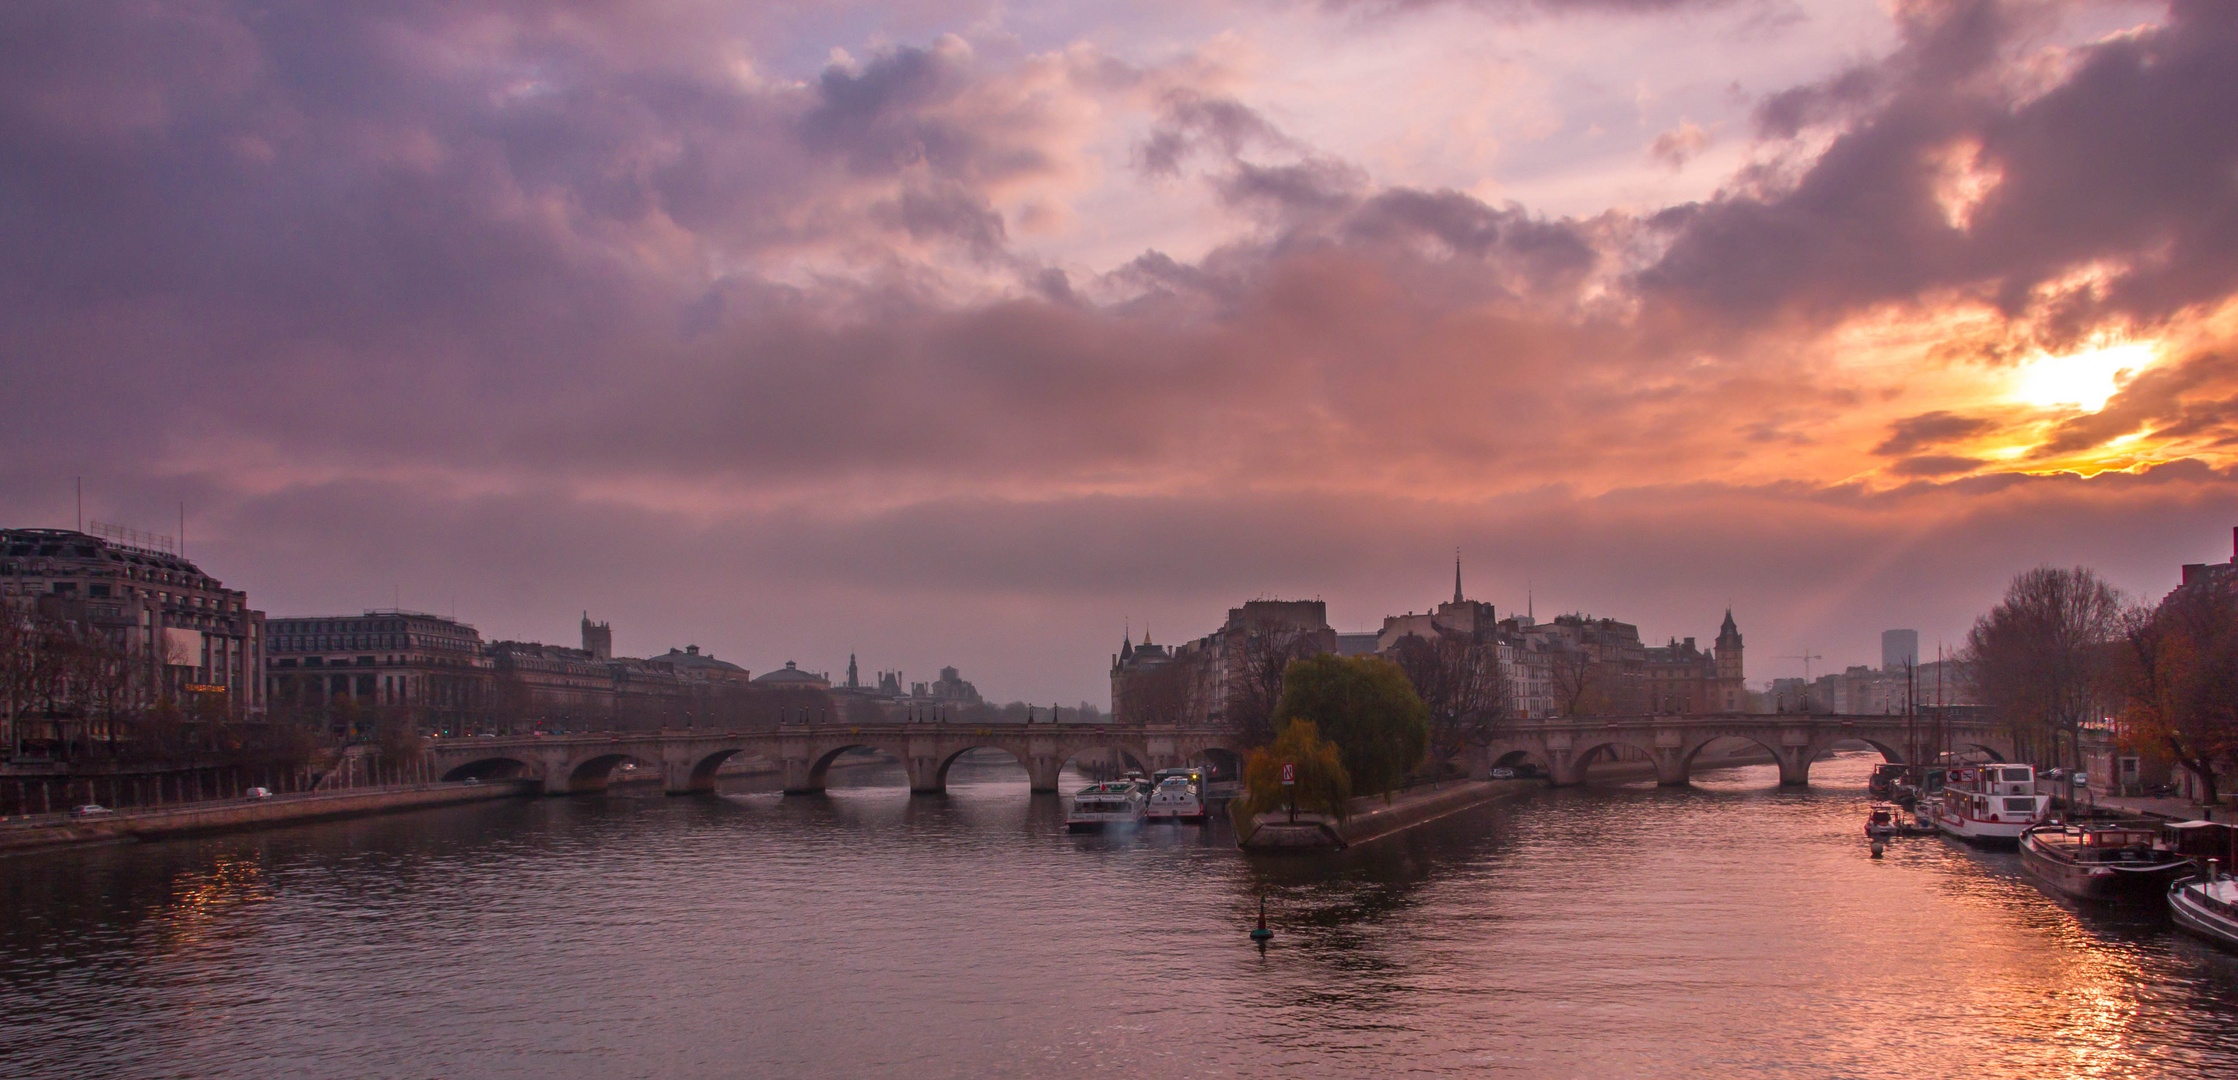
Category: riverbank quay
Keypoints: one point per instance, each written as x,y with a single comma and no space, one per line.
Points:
1371,818
2171,809
59,830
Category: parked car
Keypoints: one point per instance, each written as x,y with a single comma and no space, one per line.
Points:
255,793
89,810
1503,773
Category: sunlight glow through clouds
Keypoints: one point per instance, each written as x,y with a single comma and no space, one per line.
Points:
2085,379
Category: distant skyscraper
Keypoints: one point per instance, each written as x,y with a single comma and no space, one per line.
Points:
1898,648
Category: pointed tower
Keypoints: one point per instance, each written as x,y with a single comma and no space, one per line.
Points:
853,683
1456,575
1729,671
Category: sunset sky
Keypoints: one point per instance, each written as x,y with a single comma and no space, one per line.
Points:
971,333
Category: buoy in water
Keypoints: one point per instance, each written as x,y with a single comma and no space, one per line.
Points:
1879,845
1260,933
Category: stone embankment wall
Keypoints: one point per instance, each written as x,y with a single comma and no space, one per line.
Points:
1371,818
206,817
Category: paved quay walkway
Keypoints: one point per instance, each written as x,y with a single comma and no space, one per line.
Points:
2172,809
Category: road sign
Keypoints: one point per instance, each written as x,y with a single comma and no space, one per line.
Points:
1289,774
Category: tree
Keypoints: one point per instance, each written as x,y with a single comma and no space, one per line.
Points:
2043,656
1577,681
1255,680
1365,706
2181,678
1463,685
1319,782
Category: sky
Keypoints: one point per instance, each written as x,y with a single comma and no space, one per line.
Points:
970,333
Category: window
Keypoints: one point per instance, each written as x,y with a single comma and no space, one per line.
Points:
2020,806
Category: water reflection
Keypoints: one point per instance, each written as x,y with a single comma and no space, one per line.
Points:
1730,928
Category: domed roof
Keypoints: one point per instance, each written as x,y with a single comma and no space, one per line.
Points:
689,658
792,675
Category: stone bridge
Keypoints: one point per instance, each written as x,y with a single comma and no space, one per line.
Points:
1564,747
688,760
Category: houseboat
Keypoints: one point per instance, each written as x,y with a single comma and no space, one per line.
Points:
2096,861
1114,804
1990,804
2207,906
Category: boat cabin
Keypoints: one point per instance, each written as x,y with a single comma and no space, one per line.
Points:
2202,839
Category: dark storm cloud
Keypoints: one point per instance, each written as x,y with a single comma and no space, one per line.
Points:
1915,433
2126,161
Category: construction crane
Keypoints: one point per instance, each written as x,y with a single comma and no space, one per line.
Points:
1806,657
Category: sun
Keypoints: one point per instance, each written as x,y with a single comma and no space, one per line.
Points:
2084,379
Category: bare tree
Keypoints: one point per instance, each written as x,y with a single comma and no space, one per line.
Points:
19,664
1464,686
1255,680
1578,682
2181,678
2042,657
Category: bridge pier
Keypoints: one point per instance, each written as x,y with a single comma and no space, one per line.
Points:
677,779
1794,756
1671,760
801,777
1042,764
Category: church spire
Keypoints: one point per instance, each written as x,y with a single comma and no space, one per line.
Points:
1456,575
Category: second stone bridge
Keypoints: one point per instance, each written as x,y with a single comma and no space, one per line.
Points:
804,753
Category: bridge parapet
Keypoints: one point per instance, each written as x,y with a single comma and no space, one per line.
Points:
804,753
1567,746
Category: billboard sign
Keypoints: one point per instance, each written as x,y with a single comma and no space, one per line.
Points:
182,648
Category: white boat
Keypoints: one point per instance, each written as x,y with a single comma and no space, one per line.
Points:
2207,908
1177,798
1990,804
1112,804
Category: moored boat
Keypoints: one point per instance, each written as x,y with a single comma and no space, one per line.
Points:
2207,906
1990,804
1177,798
1111,804
2100,861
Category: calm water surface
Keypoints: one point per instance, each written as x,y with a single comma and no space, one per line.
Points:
1729,929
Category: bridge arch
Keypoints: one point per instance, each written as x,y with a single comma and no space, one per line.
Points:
819,769
703,772
1520,758
1591,748
947,761
489,768
595,772
1995,755
1125,757
1221,763
1692,751
1826,744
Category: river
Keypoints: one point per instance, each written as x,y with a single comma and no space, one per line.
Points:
1728,929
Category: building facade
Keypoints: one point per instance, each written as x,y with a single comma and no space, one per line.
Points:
182,636
1682,678
435,668
1192,683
